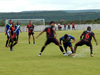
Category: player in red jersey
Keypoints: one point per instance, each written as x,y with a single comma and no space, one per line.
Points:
30,28
12,36
50,31
87,37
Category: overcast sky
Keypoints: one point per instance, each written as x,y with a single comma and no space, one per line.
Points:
31,5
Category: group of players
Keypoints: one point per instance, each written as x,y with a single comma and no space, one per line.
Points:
12,32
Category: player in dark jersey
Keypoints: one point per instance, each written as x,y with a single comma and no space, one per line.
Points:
51,37
7,28
87,37
67,42
12,36
30,28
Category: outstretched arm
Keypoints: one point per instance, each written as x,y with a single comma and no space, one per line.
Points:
54,32
95,40
40,34
81,36
73,40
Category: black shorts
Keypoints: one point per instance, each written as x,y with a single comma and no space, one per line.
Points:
54,40
13,39
30,34
82,42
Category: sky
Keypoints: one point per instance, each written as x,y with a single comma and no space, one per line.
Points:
32,5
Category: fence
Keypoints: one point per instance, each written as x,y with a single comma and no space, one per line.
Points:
77,27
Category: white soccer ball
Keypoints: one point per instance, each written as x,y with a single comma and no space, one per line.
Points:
69,52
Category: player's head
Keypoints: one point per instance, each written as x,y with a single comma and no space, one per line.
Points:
13,24
30,22
66,36
89,28
17,23
52,23
10,21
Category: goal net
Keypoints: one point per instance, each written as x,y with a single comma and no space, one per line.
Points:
24,22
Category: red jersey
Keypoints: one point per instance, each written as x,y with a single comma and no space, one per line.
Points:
30,28
73,24
12,31
64,25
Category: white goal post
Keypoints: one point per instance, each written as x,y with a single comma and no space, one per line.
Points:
24,22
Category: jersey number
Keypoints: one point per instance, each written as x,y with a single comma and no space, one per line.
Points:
87,36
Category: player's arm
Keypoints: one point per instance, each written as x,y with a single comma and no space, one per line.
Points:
26,28
40,33
54,32
81,36
20,30
61,39
73,39
33,29
10,32
5,31
95,39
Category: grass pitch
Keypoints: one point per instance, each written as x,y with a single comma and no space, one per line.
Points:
24,60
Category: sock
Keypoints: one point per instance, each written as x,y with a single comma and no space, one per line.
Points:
14,44
11,47
42,49
62,49
6,42
17,37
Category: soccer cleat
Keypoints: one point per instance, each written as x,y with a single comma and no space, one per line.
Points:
5,46
72,54
11,50
65,54
33,42
39,54
91,55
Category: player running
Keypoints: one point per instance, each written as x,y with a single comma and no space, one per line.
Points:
7,28
51,37
12,36
67,42
30,28
17,29
87,37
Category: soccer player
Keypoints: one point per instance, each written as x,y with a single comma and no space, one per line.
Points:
67,42
87,37
7,28
30,28
51,37
17,28
12,36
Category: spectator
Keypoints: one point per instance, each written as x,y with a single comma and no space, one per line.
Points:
64,26
73,26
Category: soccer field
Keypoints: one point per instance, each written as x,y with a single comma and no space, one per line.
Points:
24,60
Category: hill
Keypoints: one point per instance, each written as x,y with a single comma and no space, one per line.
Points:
67,15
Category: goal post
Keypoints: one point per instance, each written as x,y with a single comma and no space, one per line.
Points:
24,22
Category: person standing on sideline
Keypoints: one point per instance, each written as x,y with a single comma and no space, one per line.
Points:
50,31
30,28
7,28
64,26
68,26
73,26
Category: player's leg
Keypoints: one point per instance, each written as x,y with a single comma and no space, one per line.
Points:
57,43
17,35
91,48
33,38
70,45
7,41
15,41
11,46
65,46
46,43
29,36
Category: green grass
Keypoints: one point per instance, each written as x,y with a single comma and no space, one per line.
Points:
24,60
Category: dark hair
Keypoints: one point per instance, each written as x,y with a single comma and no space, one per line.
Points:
88,28
65,35
10,20
52,22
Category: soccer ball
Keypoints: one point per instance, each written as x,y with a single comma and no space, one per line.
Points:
69,53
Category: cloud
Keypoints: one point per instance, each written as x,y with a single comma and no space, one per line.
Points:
25,5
